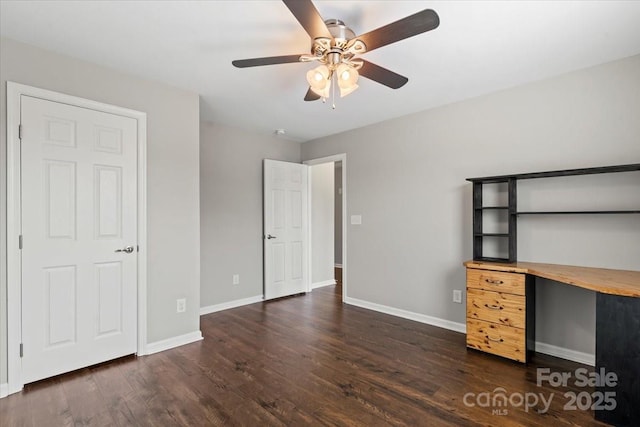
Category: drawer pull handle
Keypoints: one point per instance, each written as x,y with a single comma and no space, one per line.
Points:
494,339
493,306
494,281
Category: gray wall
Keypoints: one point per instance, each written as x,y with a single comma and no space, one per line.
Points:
172,188
406,178
322,217
231,209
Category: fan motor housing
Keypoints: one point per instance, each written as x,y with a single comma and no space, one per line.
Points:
339,30
340,37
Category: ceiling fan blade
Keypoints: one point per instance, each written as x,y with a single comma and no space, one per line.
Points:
311,96
269,60
404,28
382,75
308,16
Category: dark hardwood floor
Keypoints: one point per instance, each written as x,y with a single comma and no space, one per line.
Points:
305,360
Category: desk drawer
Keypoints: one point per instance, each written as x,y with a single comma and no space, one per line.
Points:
498,281
497,307
497,339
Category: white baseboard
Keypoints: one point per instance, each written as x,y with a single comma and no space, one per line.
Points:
158,346
230,304
4,390
321,284
338,265
565,353
422,318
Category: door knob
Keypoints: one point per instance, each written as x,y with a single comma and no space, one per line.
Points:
269,237
128,249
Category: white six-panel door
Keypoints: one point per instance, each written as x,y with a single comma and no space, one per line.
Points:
79,185
285,228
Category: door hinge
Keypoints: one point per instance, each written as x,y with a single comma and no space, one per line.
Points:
20,241
21,350
19,131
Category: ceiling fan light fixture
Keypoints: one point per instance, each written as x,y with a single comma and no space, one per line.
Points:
344,91
347,79
324,93
319,80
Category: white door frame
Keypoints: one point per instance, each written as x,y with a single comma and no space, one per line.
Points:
332,159
14,216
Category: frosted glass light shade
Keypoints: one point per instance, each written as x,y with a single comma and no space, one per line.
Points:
319,80
347,78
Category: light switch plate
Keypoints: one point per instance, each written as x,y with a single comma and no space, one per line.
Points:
356,219
457,296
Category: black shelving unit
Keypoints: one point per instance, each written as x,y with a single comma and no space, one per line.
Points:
479,235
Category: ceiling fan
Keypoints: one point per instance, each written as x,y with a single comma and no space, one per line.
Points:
336,47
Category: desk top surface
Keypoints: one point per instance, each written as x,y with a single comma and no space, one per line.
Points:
604,280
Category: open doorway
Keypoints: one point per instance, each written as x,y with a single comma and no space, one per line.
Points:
337,222
327,213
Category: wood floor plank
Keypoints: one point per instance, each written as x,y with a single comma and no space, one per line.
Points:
304,360
86,403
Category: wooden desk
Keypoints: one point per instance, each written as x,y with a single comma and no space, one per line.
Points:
492,287
613,282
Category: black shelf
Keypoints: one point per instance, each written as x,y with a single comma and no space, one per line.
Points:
512,207
577,212
491,259
565,172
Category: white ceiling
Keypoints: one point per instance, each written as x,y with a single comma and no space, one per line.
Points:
479,47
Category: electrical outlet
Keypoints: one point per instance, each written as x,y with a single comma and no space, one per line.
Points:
457,296
181,305
236,279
